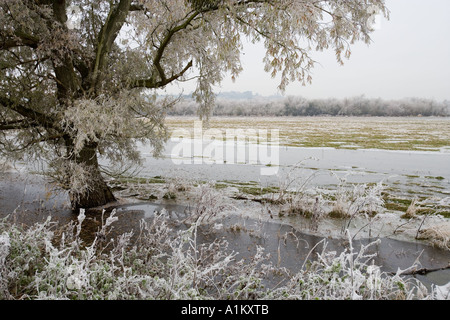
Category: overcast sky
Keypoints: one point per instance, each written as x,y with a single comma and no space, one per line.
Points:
409,57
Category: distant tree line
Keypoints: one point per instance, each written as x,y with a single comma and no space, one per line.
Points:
299,106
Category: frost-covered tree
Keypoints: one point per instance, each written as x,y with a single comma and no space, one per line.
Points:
79,79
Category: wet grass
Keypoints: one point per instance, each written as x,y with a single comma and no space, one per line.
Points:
436,178
139,180
260,193
396,204
402,204
250,188
445,214
412,134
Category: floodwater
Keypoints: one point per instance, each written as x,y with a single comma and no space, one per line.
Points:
431,170
404,175
289,247
28,199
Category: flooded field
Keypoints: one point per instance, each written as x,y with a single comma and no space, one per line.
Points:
318,157
308,166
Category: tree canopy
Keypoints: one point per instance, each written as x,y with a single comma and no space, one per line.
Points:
80,79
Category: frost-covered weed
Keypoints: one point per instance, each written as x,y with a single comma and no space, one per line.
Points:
179,183
46,262
295,197
360,199
439,235
208,203
350,275
293,184
4,252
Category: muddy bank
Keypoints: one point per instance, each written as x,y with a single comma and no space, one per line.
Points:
27,199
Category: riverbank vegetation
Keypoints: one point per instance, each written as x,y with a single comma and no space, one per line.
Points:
162,257
45,261
294,198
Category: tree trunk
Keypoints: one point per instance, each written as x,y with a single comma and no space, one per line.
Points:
98,193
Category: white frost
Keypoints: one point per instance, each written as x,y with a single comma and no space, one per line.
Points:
4,247
442,292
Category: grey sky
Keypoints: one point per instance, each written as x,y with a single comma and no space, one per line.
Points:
409,57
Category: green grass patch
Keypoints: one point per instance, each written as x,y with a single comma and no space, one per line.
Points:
141,180
436,178
397,204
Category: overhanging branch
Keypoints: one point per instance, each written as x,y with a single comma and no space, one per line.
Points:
20,39
152,84
200,7
39,118
16,125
